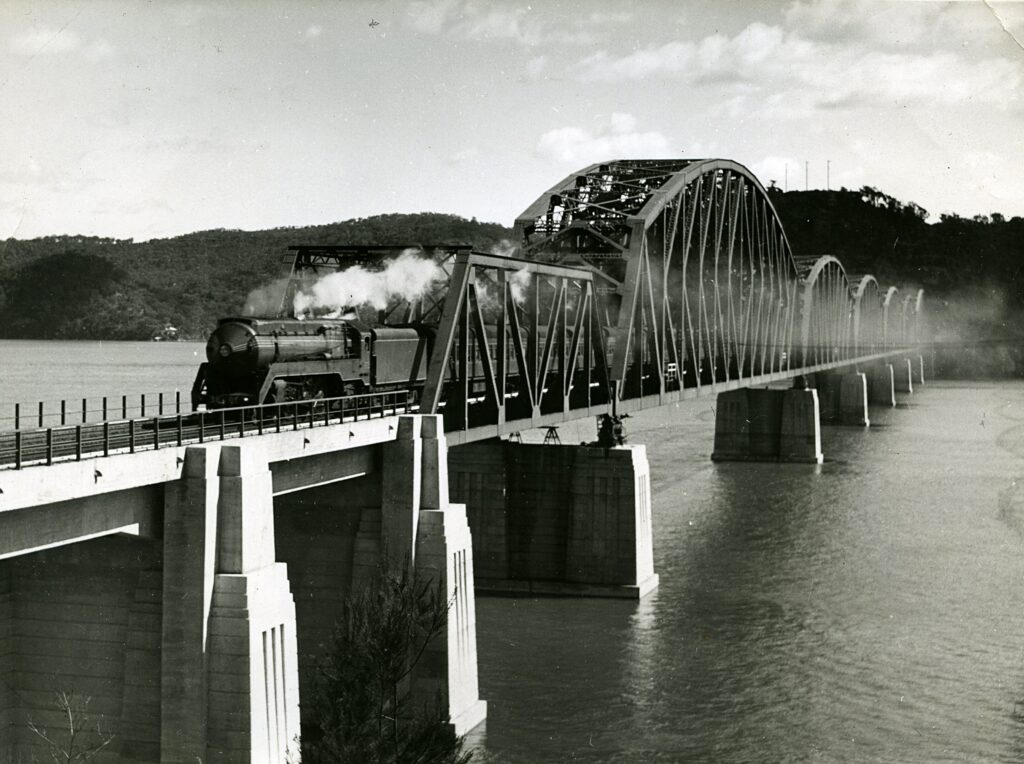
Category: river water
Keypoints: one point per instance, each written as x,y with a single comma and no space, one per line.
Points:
868,609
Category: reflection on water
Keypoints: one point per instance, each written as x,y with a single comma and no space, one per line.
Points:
869,609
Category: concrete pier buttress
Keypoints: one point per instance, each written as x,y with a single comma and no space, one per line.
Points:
853,399
882,385
229,658
401,479
557,520
253,692
767,425
190,557
800,439
917,364
903,375
828,385
610,538
440,547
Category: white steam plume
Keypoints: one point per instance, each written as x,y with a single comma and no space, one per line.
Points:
408,276
504,248
519,282
266,300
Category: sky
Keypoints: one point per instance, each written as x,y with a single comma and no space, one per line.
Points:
143,119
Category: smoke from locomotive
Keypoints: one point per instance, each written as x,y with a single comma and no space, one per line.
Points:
301,337
406,277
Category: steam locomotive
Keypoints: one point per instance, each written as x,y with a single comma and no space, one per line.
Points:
273,360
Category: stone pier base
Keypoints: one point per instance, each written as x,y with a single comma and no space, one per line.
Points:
767,425
557,520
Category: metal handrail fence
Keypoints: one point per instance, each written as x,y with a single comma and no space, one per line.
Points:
23,447
60,413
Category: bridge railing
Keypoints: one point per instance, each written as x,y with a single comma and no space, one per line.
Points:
90,409
27,447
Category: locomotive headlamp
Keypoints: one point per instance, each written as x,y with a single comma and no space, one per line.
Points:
224,350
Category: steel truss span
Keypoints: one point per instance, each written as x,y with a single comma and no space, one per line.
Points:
696,282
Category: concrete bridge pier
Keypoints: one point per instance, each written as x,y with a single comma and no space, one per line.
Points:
881,385
853,399
828,385
189,593
419,523
903,375
842,397
917,364
768,425
557,519
229,672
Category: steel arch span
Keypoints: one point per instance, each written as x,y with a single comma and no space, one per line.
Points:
639,282
697,281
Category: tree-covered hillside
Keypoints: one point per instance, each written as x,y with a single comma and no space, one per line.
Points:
75,287
871,232
970,268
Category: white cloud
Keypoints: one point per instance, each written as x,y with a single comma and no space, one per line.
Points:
313,31
429,16
52,41
618,139
99,50
671,58
765,62
480,21
622,123
781,169
44,40
468,154
535,66
610,17
863,21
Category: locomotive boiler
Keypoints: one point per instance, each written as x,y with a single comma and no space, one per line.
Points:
252,360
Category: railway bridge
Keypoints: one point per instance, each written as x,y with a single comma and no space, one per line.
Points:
184,569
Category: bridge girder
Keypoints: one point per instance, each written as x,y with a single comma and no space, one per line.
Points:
518,341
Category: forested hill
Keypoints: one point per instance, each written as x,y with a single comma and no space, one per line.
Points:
871,232
972,269
84,287
76,287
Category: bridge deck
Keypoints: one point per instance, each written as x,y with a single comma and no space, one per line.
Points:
46,446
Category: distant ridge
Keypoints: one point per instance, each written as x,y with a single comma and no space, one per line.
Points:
78,287
82,287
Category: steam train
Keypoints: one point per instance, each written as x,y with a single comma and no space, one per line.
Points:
273,360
